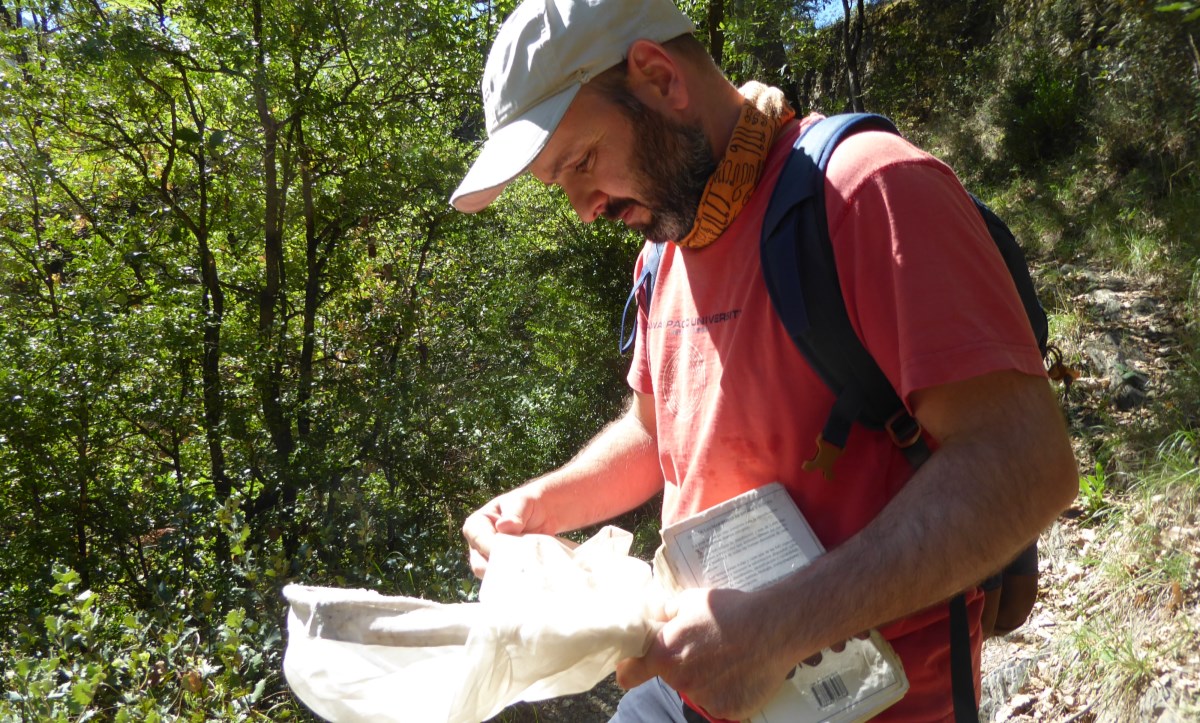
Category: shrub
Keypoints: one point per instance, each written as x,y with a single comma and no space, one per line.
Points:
1042,108
91,659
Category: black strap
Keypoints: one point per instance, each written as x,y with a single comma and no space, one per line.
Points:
962,672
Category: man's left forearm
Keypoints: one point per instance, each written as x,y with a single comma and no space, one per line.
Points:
1004,470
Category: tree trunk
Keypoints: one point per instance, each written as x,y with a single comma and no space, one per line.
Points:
716,36
312,287
212,299
270,298
852,42
212,307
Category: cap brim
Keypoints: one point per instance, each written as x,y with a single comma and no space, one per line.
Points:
509,151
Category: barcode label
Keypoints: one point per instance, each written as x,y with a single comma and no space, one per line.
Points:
830,690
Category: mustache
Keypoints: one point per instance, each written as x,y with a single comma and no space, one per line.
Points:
616,207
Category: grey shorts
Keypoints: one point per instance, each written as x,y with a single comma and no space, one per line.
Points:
654,702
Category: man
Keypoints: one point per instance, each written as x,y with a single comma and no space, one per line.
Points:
617,104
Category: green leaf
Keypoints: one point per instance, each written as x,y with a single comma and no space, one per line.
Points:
85,690
1191,8
187,135
66,582
235,618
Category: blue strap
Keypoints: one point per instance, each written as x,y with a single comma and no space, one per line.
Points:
801,277
642,292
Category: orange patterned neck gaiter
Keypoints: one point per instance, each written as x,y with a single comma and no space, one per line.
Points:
763,114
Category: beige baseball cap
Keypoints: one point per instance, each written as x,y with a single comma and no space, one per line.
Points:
544,53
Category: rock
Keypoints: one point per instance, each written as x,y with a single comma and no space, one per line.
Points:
1001,689
1145,307
1126,383
1106,303
1131,392
1090,276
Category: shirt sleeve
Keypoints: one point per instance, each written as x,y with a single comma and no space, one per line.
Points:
925,286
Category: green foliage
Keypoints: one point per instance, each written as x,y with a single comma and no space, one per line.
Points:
1179,457
89,658
255,345
1042,107
1132,621
771,42
1093,492
927,56
1190,10
245,341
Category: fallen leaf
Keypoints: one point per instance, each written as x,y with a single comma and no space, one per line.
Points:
192,681
1176,600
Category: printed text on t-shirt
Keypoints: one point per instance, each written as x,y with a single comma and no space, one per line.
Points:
676,326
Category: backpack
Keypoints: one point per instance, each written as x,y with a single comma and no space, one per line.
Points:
801,278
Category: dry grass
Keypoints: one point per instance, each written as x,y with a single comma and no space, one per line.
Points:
1116,634
1131,645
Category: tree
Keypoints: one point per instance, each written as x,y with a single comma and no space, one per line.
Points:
852,39
762,40
716,30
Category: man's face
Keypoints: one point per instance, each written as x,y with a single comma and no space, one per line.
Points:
615,157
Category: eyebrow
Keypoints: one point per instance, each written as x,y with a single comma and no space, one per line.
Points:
558,166
578,148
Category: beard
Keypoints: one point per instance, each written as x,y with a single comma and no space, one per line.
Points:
674,162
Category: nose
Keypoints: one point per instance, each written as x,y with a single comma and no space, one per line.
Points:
589,203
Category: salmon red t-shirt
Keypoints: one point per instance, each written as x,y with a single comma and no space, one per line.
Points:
738,406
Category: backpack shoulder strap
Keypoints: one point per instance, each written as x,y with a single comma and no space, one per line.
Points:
801,278
642,292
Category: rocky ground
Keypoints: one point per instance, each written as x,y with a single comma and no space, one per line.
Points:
1092,630
1121,336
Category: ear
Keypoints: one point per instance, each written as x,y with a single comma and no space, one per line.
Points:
656,77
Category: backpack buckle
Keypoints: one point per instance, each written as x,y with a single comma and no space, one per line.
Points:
822,461
903,428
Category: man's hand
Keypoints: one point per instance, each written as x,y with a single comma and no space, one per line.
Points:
517,512
617,471
718,648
